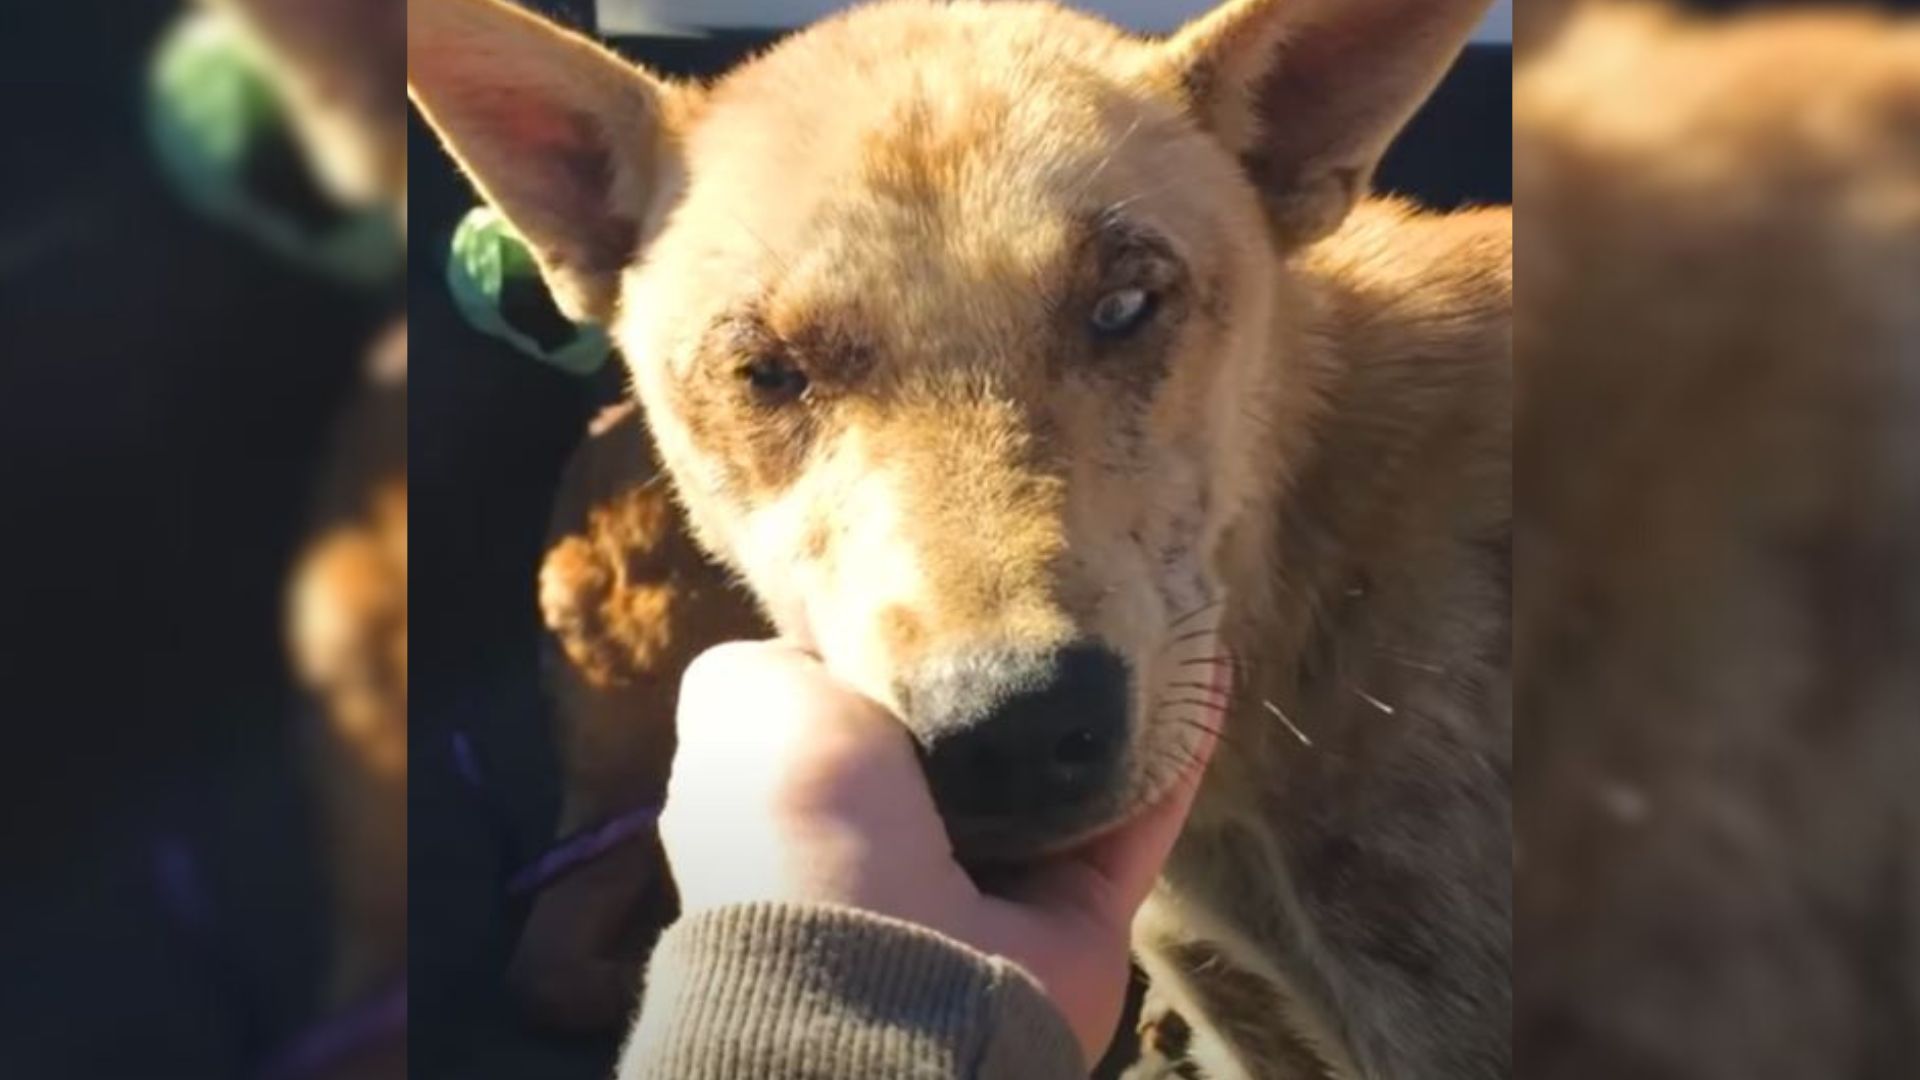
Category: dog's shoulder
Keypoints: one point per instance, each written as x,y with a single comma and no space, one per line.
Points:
1394,267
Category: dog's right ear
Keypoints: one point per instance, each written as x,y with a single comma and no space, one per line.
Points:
1308,93
572,144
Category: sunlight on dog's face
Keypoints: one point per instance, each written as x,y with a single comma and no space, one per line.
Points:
945,376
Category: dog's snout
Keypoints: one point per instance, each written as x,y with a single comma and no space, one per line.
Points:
1022,740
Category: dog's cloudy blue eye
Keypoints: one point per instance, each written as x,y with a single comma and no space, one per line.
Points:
1121,311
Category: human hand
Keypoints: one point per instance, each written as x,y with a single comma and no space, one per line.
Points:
790,786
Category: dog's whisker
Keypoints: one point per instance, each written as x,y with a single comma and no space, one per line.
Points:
1198,660
1213,707
778,260
1413,662
1216,706
1197,643
1220,695
1373,701
1207,687
1181,760
1284,719
1208,728
1197,651
1196,723
1121,204
1093,174
1182,620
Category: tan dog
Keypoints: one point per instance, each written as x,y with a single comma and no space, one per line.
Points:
1028,369
1718,596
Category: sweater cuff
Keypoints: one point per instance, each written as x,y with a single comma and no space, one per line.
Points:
792,991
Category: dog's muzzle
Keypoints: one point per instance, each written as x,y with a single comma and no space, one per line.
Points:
1021,749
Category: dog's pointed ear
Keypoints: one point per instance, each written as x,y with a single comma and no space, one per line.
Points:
573,145
1308,93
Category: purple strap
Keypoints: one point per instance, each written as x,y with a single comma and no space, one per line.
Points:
183,890
467,762
373,1022
582,847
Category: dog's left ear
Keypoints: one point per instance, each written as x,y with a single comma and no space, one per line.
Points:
1308,93
573,145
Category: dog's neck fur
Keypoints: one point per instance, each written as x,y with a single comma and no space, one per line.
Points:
1368,615
1385,408
1388,411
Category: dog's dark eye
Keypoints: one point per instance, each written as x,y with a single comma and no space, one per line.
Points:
1122,311
774,379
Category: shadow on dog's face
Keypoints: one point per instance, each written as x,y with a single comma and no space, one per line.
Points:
948,320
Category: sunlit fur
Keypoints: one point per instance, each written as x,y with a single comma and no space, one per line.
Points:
990,482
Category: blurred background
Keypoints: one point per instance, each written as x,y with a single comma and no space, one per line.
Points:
1716,587
187,312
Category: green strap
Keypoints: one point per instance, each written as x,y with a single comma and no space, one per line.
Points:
497,286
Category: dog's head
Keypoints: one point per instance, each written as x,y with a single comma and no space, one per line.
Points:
945,318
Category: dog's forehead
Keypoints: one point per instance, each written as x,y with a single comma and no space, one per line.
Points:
920,151
918,107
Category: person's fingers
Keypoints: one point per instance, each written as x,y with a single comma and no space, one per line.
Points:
771,707
764,717
741,714
724,684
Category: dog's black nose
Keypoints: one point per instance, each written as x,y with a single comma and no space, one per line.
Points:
1021,738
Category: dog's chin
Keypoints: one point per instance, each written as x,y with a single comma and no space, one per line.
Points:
1004,842
991,846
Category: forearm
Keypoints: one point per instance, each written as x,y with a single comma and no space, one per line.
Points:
792,991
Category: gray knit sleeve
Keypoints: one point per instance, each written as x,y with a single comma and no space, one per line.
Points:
812,992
